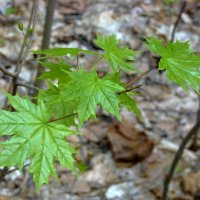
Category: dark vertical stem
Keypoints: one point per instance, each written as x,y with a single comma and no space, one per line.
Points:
46,35
193,146
177,157
48,23
191,133
77,61
3,173
178,20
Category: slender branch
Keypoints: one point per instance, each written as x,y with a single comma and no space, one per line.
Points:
21,58
25,47
135,80
139,77
193,146
61,118
177,157
3,173
184,3
48,23
27,85
27,35
15,169
129,89
46,36
77,60
192,132
6,72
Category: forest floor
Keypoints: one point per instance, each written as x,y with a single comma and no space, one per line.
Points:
127,160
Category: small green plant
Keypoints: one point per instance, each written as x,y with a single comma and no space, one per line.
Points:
38,132
20,26
170,1
11,10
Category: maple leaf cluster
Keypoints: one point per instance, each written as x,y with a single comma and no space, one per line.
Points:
38,132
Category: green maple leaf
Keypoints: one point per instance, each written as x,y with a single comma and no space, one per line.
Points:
58,52
170,1
34,137
125,99
58,109
57,71
62,109
51,95
118,58
180,62
88,90
130,104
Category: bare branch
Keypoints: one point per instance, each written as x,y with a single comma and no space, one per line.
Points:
46,36
13,75
15,169
3,173
184,3
27,35
27,85
128,89
194,145
139,77
25,45
177,157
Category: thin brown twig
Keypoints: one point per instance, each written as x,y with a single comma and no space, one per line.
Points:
194,146
22,84
15,169
184,3
139,77
191,133
6,72
25,47
129,89
177,157
27,35
30,33
5,171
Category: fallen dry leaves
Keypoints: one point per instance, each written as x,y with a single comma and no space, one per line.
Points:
129,144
